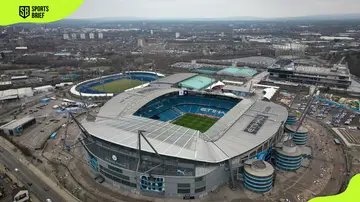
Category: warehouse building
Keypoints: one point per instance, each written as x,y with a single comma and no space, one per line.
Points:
11,94
44,89
15,127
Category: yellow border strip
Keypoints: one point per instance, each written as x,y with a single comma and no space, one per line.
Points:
352,193
36,11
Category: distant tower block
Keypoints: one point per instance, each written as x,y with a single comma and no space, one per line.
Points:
300,138
177,35
66,37
100,35
140,42
82,36
91,36
258,175
291,118
151,32
288,157
73,35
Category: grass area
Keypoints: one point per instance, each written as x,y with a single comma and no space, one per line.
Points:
196,122
117,86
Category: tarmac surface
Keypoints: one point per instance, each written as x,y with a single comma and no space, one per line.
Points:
42,190
42,185
47,122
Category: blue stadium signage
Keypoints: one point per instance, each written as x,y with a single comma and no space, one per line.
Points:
256,124
213,111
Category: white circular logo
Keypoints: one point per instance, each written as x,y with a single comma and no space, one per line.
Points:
114,157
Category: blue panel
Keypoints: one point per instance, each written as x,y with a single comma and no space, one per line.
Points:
93,162
261,155
287,168
260,183
286,158
290,165
156,184
257,178
258,189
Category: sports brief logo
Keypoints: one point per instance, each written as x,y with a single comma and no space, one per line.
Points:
34,11
24,11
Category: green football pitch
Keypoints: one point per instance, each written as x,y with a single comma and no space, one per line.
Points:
117,86
196,122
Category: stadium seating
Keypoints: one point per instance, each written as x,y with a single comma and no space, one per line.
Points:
168,115
172,107
86,87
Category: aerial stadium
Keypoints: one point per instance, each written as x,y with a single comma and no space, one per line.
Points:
165,140
110,85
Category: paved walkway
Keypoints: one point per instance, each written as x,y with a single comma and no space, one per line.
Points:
60,191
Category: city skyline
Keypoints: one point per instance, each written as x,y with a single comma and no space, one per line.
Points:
162,9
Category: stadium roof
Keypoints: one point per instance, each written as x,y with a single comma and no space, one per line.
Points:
255,60
207,70
175,78
237,88
244,72
245,126
16,123
197,83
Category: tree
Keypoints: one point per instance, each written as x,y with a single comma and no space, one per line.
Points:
139,61
2,55
118,62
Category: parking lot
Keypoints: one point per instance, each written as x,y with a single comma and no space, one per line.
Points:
330,114
48,120
344,121
67,135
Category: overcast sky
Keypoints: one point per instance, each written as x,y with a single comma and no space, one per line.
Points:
213,8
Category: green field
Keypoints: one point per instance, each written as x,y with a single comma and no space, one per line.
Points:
196,122
117,86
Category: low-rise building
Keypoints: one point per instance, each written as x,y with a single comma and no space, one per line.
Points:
338,76
15,127
43,89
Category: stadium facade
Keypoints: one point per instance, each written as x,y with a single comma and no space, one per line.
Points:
135,145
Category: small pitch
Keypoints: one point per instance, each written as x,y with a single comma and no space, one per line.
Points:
117,86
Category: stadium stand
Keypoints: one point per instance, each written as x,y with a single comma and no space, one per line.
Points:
85,87
171,107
